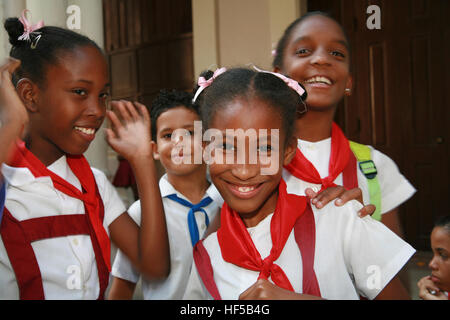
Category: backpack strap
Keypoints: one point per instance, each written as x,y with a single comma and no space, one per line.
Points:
205,270
368,168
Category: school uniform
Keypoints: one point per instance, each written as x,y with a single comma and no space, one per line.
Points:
352,256
180,242
394,187
63,260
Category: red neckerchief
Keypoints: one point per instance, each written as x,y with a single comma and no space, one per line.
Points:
22,157
238,248
303,169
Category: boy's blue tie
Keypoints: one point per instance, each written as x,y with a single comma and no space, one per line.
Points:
193,229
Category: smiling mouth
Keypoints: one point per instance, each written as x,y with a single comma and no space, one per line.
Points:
244,191
319,80
88,131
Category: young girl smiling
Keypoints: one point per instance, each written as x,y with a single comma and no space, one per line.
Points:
271,243
60,214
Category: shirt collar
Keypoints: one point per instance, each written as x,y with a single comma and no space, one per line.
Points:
167,189
17,177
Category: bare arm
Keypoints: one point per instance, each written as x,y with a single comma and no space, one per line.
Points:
394,291
121,289
147,247
13,115
391,220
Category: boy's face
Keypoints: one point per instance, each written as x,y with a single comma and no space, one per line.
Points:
244,186
440,264
174,149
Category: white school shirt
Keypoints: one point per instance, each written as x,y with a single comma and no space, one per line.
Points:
181,257
353,255
395,188
63,260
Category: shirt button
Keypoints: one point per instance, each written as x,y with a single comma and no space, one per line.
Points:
75,241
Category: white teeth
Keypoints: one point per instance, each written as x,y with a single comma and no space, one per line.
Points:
246,189
319,79
86,130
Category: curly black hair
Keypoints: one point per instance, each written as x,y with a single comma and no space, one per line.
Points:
169,99
246,83
278,59
443,222
45,47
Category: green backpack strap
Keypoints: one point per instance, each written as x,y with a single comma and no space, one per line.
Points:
367,167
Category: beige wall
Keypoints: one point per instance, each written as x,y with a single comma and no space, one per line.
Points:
239,32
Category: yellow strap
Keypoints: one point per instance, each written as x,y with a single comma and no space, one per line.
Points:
362,153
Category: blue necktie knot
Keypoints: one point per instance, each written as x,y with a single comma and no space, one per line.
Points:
192,223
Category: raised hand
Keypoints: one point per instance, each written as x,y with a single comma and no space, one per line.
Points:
130,134
13,114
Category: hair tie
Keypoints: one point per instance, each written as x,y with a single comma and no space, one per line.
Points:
203,83
29,28
290,82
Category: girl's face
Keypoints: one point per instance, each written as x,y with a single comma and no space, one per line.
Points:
176,153
243,185
317,56
71,105
440,264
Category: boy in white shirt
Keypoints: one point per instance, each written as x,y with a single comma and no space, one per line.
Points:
183,185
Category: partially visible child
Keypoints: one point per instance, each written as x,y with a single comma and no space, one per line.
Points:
13,117
60,214
272,244
190,200
437,285
314,50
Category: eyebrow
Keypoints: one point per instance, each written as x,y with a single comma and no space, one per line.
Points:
87,82
342,42
165,129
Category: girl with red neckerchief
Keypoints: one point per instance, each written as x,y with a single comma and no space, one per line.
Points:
60,214
272,243
315,51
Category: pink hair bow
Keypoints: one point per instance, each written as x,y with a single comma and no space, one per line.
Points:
28,27
290,82
203,83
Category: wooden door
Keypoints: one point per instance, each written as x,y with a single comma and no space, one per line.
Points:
149,47
399,104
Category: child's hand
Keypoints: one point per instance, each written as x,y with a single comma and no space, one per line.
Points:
429,291
266,290
342,196
130,130
11,107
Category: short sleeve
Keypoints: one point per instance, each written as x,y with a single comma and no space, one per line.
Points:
373,253
114,206
395,188
122,267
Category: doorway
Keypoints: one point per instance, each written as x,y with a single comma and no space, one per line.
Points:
399,103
